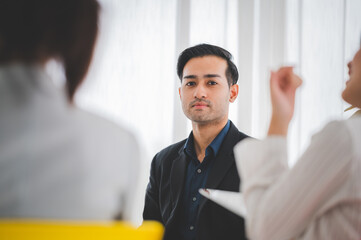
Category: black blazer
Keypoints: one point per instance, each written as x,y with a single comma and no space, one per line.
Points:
165,188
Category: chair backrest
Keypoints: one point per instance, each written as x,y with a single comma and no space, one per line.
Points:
67,230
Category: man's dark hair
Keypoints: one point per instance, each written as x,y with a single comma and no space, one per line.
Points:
202,50
34,31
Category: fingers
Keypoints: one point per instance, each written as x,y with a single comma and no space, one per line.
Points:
285,78
297,81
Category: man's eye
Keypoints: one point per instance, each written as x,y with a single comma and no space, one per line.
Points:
190,83
212,83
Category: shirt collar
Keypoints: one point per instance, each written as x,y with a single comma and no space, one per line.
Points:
215,144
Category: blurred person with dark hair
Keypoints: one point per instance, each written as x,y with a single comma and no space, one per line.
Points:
205,159
57,161
320,196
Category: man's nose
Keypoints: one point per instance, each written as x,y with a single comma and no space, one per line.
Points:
200,92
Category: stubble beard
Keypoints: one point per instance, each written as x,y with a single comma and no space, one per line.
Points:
203,116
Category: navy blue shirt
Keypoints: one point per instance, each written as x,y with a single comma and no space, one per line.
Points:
196,178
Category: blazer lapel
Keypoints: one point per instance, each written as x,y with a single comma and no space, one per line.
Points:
177,177
224,159
219,169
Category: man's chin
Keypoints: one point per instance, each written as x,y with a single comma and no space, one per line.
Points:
201,120
198,119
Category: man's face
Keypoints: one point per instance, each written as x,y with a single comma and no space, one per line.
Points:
205,93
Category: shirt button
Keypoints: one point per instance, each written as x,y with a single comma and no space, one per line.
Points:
194,199
191,228
199,170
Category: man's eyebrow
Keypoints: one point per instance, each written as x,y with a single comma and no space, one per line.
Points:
190,77
212,76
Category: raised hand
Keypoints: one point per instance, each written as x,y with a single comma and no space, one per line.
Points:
283,85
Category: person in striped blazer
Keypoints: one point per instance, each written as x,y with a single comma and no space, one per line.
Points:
320,196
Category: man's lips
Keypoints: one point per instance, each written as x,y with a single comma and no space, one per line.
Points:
200,105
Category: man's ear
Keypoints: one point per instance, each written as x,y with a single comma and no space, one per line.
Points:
233,93
180,94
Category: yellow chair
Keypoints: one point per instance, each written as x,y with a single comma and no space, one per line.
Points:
64,230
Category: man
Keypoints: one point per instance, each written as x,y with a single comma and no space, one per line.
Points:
205,159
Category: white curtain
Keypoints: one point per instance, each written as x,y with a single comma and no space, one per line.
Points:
321,38
133,82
